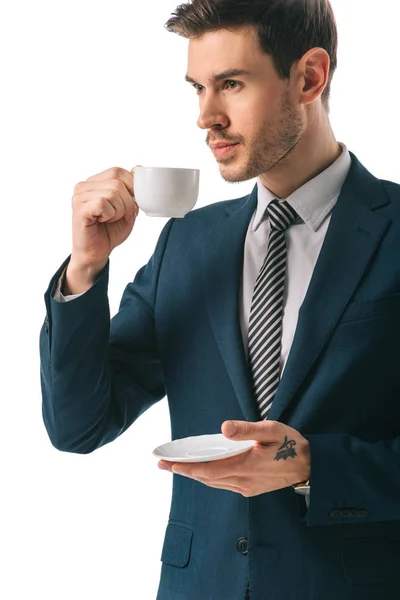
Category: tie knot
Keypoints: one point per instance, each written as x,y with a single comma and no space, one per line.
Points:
281,215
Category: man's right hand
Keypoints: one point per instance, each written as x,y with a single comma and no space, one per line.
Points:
104,213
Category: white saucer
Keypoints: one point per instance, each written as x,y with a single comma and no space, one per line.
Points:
202,448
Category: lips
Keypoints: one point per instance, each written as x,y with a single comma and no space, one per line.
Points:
222,145
223,151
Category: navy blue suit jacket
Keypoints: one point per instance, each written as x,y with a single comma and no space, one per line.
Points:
177,333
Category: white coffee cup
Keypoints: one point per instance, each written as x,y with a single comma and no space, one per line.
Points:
166,191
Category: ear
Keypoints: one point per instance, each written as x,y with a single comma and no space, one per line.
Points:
313,72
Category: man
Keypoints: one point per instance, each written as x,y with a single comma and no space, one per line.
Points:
278,312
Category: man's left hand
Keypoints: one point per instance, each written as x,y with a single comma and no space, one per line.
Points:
279,458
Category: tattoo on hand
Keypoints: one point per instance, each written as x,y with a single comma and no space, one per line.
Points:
286,450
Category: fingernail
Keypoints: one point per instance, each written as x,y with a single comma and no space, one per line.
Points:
163,467
231,428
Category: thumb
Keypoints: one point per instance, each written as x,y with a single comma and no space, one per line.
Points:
261,431
132,170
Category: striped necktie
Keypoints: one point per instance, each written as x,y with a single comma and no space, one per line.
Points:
265,324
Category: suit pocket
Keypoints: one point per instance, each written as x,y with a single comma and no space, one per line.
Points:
177,545
372,561
369,309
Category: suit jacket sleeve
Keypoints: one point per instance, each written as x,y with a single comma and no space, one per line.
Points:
97,376
353,480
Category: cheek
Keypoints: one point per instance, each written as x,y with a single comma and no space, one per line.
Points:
266,108
248,119
244,122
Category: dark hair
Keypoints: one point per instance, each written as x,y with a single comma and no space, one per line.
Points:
286,29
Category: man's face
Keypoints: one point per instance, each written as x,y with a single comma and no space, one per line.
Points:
254,110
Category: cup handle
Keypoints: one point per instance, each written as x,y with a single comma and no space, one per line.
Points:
133,169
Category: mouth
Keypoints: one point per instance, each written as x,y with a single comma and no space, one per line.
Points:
224,151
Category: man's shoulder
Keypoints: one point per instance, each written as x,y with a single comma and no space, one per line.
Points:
194,228
211,212
219,207
391,188
392,192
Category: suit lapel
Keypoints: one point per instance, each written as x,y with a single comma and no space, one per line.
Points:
353,236
352,239
222,272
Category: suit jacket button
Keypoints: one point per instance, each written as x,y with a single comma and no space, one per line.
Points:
335,514
362,513
347,513
243,545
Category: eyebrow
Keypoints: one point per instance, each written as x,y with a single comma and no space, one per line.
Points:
220,76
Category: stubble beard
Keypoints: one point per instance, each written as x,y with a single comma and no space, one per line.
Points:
272,144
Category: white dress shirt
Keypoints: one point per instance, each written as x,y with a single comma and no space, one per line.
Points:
313,202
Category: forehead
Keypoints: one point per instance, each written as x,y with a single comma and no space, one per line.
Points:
217,50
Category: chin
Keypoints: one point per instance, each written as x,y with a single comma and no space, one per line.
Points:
234,175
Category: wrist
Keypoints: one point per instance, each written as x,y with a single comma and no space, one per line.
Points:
79,278
304,474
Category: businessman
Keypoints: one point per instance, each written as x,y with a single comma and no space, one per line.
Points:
274,317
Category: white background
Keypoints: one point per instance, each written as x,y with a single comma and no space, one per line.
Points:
87,85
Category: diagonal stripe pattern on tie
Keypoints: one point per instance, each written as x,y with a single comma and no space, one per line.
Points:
265,324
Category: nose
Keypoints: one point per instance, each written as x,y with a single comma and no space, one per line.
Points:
211,114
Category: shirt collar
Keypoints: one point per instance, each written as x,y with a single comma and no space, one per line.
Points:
314,200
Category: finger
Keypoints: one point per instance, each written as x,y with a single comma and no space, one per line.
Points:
167,466
104,208
233,481
207,471
222,486
131,207
262,431
217,469
224,483
115,173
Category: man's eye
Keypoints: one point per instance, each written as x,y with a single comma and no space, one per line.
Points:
199,88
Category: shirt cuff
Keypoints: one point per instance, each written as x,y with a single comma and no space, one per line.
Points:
304,492
58,296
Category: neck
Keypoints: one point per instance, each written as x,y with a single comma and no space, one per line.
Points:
315,152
